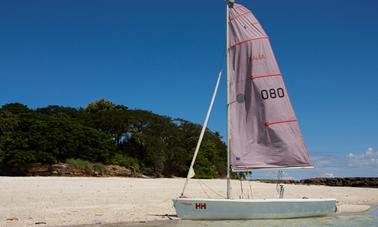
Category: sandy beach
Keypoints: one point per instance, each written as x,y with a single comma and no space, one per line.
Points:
57,201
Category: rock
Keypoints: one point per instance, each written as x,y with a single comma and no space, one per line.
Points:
38,169
59,166
119,171
63,169
14,219
346,181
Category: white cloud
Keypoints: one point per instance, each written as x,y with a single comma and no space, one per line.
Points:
346,165
356,164
286,176
369,158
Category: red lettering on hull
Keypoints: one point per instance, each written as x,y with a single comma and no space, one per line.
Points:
200,205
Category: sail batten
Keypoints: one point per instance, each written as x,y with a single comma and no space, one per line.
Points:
264,131
271,168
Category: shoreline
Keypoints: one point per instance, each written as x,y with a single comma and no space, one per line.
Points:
175,222
63,201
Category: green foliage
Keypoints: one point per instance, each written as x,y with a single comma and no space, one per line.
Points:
16,108
86,166
59,111
80,164
103,105
126,161
99,167
104,132
47,139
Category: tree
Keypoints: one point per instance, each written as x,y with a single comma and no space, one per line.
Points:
15,108
108,133
59,111
100,105
46,139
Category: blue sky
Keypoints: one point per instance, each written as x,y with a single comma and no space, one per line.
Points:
164,55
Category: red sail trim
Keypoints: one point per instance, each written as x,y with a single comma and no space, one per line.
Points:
269,123
263,76
239,15
248,40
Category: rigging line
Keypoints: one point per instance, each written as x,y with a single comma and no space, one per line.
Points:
222,59
250,189
279,172
279,186
213,191
241,189
242,177
224,56
204,191
250,183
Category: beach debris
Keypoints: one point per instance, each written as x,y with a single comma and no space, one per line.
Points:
169,216
40,223
14,219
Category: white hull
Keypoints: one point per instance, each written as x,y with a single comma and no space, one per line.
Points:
225,209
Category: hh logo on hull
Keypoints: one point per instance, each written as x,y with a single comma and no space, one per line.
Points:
200,206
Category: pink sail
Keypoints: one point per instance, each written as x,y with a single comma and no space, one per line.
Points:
264,132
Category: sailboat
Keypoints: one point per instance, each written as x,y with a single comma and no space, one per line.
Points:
263,132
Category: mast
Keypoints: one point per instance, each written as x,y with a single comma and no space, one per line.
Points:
229,4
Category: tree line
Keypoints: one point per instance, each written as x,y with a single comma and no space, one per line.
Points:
103,132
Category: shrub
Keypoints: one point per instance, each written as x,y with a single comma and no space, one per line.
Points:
81,164
126,161
99,167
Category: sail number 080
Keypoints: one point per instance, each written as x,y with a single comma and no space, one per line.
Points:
272,93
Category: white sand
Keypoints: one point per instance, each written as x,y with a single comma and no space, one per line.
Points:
81,200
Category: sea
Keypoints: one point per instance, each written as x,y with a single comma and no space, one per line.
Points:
367,218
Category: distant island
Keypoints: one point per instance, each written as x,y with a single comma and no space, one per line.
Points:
368,182
103,138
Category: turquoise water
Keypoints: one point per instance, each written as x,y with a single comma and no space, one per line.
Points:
338,220
368,218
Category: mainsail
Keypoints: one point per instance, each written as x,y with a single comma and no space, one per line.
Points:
264,132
